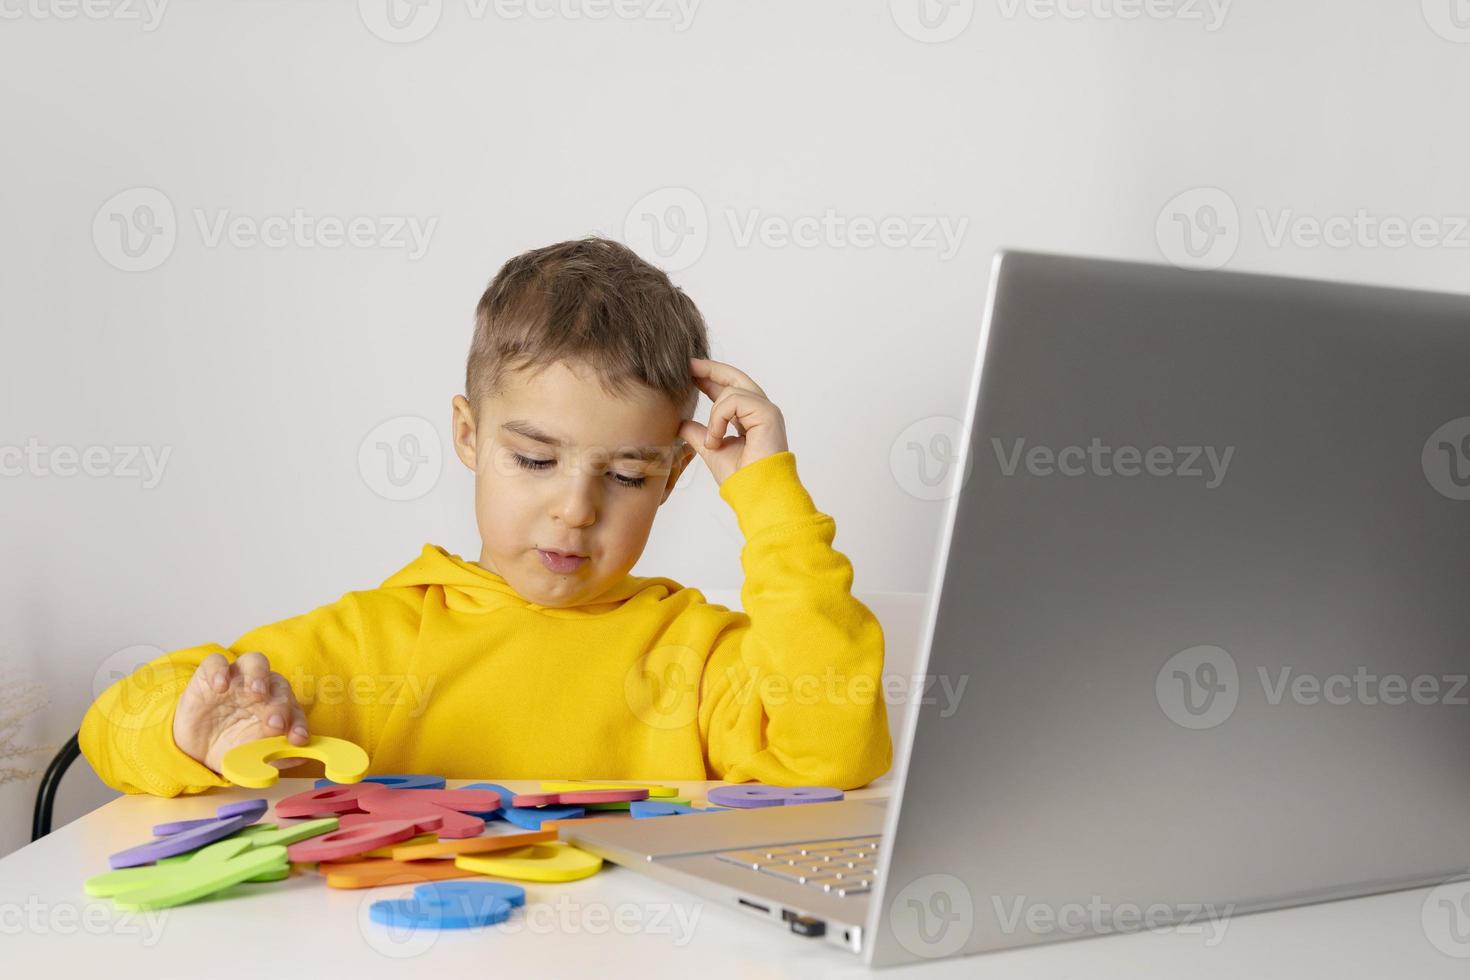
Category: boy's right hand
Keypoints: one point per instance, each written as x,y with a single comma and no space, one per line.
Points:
228,704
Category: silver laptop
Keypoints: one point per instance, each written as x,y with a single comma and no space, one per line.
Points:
1206,566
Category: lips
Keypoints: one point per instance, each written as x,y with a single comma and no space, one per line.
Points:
561,562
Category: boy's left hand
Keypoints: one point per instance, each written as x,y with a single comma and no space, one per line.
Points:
738,400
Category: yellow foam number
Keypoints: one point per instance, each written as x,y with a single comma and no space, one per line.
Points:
654,790
249,764
552,861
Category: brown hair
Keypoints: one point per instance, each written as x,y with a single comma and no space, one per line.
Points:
592,301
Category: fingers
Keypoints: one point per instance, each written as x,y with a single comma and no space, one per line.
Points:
734,406
254,671
719,373
213,673
286,710
692,433
283,699
713,377
276,712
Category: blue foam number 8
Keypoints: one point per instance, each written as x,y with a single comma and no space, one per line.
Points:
450,905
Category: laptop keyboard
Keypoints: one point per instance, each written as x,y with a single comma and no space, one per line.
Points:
838,867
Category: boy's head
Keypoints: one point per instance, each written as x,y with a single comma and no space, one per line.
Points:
581,353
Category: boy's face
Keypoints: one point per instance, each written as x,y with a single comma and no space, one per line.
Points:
578,496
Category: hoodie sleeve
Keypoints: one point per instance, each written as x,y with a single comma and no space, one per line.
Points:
792,690
127,733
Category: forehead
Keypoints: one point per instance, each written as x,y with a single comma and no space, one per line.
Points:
569,407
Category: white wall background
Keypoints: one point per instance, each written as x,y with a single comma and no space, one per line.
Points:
261,370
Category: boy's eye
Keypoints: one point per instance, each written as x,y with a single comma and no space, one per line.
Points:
529,463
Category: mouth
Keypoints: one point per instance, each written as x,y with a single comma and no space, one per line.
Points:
561,561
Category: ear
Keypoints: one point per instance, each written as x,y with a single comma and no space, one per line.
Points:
462,425
683,453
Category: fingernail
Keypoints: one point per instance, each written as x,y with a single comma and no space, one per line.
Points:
299,732
276,722
258,686
219,681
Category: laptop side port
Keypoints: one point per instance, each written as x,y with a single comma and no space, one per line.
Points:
809,926
754,905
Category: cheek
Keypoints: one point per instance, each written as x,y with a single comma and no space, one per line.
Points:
501,504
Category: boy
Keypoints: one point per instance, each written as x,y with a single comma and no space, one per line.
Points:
545,659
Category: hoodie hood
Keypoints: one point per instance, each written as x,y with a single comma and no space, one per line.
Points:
469,588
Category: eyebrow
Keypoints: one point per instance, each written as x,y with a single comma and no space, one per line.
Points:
650,454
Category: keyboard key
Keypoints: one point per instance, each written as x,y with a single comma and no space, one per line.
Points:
826,884
754,860
801,875
839,867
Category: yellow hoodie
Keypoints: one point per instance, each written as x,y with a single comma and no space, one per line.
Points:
445,669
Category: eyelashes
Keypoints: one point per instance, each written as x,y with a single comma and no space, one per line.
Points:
527,463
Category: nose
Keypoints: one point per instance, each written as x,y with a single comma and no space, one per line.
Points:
574,500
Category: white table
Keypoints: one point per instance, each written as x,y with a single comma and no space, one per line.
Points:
616,923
